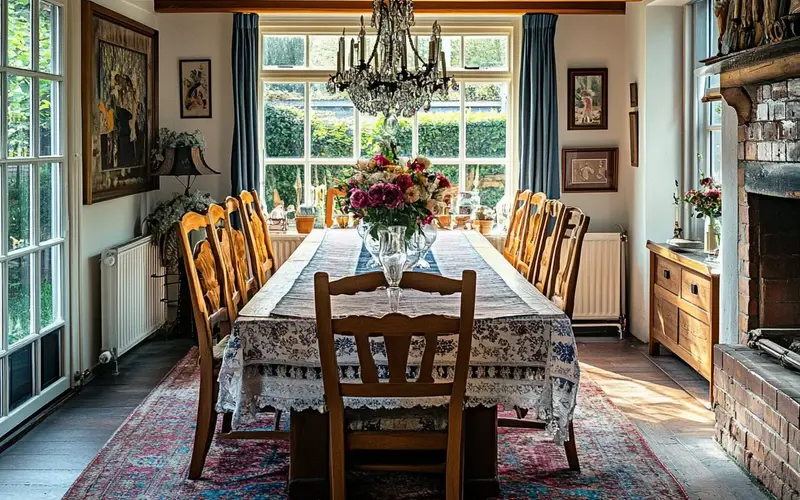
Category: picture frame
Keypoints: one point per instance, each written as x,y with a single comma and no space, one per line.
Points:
633,125
587,99
589,170
119,104
194,80
634,95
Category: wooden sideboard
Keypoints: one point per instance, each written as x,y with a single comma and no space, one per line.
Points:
684,306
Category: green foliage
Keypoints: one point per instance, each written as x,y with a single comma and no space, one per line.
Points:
170,139
485,52
284,50
161,223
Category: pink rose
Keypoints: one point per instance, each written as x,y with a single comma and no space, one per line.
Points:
444,182
706,181
382,161
376,195
358,199
404,182
392,196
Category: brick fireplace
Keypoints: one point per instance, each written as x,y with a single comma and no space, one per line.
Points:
756,400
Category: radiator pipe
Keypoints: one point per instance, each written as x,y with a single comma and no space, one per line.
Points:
108,356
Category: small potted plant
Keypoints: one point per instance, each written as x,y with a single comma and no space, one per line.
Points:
305,218
483,219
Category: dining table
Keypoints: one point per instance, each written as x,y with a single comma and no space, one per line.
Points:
523,352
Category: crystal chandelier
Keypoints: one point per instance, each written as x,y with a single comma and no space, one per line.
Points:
382,80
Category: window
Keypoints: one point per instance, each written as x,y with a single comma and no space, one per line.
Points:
311,138
32,247
707,100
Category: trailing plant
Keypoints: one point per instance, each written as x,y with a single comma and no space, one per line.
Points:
161,223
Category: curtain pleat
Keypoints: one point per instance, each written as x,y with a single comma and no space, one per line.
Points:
538,107
245,171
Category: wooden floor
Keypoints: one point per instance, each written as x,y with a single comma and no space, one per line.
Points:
676,423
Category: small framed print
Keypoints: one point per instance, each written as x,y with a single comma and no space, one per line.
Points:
589,170
195,81
633,123
587,95
634,90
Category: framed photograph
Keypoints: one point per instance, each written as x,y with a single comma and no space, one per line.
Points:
634,90
119,80
633,123
588,170
195,76
587,96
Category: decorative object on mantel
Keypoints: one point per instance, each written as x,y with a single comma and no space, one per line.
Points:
587,98
119,104
587,170
382,81
747,25
181,153
305,218
195,83
483,219
634,94
633,125
707,203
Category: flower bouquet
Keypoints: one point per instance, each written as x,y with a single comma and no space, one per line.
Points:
707,203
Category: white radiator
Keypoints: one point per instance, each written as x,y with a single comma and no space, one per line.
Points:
284,244
600,294
131,303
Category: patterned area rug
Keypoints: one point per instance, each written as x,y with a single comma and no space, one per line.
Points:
148,457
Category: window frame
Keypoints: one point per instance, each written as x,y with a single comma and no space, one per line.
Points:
507,26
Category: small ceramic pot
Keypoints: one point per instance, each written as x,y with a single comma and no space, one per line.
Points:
484,226
461,221
305,223
444,221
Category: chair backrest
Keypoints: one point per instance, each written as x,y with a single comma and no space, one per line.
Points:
397,331
545,270
569,259
518,226
241,248
208,281
218,218
533,242
330,197
256,230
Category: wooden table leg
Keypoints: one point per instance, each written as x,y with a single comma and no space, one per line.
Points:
308,460
480,453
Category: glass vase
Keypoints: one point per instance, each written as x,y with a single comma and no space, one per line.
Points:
426,237
711,239
392,257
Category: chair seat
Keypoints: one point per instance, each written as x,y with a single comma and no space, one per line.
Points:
219,349
397,419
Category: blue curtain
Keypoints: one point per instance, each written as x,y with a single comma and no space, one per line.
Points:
244,56
538,107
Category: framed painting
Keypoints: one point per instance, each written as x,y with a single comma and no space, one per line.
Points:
119,80
589,170
634,95
633,123
195,76
587,96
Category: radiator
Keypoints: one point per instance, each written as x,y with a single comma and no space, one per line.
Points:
284,245
131,303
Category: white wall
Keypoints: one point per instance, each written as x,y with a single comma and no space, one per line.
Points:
595,42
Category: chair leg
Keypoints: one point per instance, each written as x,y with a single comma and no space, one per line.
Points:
278,414
337,461
227,422
572,450
204,430
454,470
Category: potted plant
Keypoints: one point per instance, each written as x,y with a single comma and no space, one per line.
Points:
483,219
305,218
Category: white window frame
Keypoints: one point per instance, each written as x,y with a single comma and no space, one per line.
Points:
332,25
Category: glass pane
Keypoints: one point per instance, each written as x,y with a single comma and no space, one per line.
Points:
450,44
49,286
449,171
283,184
322,50
50,366
486,52
19,298
20,376
332,123
489,181
372,132
49,201
716,154
715,112
330,175
439,127
284,51
18,178
284,120
19,33
19,116
49,96
486,110
48,37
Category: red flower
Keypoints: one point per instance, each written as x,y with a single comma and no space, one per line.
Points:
404,182
444,182
417,166
382,161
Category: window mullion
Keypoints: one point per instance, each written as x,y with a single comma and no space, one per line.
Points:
462,138
307,152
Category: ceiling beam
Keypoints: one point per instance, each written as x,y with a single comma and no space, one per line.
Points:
420,6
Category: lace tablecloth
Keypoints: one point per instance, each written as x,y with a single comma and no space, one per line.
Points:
523,349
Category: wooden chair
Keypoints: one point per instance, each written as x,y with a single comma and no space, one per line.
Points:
230,259
259,244
397,331
533,244
544,273
330,197
241,248
213,310
518,226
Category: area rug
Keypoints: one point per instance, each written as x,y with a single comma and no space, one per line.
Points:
148,457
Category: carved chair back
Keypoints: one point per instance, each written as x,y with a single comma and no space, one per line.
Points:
533,243
256,230
518,226
569,259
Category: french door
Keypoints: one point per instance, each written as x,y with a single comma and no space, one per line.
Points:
33,338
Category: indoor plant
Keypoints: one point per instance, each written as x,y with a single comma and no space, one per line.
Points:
707,203
483,219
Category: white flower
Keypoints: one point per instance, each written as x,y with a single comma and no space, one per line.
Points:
412,194
376,178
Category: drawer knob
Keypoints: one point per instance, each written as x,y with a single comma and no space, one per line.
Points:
694,288
666,274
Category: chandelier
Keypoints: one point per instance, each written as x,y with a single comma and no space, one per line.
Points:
383,81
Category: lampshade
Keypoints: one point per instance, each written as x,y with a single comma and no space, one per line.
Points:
184,161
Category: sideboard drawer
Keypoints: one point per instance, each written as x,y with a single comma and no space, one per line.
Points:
696,289
665,319
693,335
668,275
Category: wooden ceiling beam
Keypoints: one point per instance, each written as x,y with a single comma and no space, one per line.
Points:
475,7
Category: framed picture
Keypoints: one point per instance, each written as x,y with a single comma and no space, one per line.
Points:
634,90
588,170
119,80
587,95
633,124
195,76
